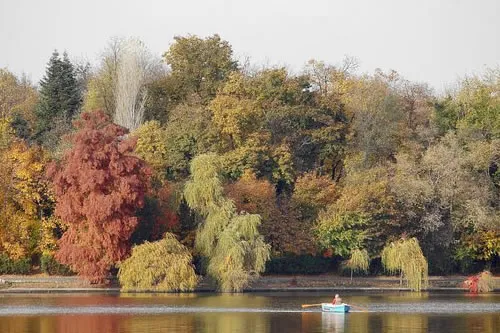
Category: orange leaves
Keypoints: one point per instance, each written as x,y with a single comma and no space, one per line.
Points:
99,186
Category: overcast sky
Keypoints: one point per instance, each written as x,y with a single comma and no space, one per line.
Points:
434,41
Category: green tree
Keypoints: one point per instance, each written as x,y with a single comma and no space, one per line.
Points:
165,265
60,100
231,241
364,215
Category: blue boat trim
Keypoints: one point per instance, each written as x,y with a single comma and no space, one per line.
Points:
329,307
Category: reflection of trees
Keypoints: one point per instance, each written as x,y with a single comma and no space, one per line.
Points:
232,322
226,322
15,324
87,324
397,322
489,323
165,323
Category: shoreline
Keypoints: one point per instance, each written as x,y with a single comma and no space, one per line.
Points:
328,283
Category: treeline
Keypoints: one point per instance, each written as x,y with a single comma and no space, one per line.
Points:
241,165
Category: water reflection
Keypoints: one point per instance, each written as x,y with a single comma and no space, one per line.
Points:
395,322
333,322
258,313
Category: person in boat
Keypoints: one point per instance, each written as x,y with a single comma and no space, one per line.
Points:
337,300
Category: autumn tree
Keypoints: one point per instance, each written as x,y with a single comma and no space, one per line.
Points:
359,261
18,100
281,226
99,186
24,195
164,265
200,65
312,193
405,257
363,215
231,241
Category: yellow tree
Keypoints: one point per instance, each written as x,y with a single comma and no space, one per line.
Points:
405,256
165,265
24,195
231,241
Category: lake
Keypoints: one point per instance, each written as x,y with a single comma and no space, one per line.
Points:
250,312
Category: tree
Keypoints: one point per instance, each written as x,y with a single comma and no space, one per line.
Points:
199,66
99,186
359,261
312,193
231,241
190,133
60,99
25,198
406,257
281,227
377,118
165,265
151,147
18,100
136,67
364,215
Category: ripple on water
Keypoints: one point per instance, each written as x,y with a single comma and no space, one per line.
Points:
429,307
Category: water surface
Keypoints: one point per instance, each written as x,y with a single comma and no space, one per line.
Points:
254,312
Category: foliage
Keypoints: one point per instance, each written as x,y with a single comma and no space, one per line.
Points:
330,159
364,213
60,97
312,193
99,186
341,232
480,283
49,265
151,146
359,261
18,99
200,65
302,264
165,265
14,266
231,241
281,227
25,197
406,257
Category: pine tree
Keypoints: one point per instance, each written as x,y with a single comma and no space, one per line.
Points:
60,99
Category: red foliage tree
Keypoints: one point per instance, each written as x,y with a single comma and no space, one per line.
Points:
99,186
281,226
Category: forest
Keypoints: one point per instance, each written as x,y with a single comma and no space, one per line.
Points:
161,169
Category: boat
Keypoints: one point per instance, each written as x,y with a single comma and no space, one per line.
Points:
329,307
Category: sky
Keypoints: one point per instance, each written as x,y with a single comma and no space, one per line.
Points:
432,41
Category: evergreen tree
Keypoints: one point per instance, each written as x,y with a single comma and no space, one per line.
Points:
60,99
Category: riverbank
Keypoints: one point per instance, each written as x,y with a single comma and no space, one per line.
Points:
324,282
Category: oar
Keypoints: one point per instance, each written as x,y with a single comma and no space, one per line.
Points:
310,305
358,307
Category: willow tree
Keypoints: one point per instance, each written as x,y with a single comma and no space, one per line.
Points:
165,265
405,257
359,261
230,240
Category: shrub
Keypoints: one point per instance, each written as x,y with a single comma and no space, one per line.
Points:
11,266
304,264
165,265
49,265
